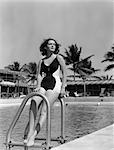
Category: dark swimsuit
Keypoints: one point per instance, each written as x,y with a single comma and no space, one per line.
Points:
49,81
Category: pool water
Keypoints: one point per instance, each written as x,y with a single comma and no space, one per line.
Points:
80,120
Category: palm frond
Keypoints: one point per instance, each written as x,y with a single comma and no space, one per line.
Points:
109,56
96,77
109,67
78,76
10,67
108,59
87,70
85,59
72,69
95,70
82,73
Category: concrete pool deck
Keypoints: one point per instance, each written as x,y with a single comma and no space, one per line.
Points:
90,99
67,99
100,140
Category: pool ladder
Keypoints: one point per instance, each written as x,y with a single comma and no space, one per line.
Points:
47,144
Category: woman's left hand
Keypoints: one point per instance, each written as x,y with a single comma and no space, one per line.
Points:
62,93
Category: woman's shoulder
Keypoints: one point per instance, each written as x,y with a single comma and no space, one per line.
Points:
59,57
42,59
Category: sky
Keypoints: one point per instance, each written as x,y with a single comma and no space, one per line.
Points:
25,24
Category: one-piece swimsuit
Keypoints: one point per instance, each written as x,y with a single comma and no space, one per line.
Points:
51,75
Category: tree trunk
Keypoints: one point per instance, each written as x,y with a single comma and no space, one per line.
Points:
84,86
74,75
0,91
8,91
18,88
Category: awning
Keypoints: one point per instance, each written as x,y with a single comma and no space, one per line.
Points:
7,83
90,82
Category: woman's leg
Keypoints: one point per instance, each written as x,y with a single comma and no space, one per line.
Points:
35,102
51,96
27,130
32,117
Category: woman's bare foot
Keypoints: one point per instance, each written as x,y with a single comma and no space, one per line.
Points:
29,135
30,141
25,141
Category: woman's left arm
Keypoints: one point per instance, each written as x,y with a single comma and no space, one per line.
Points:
63,69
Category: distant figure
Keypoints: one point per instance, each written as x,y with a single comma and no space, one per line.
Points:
67,93
49,84
76,94
102,93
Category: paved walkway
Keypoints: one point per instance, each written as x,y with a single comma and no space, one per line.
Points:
100,140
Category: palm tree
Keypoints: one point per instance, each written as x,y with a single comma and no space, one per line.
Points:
72,56
109,57
17,69
31,71
107,77
18,76
82,68
85,70
14,67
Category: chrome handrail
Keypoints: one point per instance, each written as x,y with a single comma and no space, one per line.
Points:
48,137
61,139
62,116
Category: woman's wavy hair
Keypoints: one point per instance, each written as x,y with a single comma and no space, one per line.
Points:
43,46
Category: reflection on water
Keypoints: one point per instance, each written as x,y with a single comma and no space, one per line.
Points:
80,120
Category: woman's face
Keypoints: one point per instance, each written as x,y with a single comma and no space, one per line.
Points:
51,45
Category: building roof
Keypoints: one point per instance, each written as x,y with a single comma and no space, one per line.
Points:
20,84
6,71
91,82
7,83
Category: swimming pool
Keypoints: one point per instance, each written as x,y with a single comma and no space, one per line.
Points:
80,120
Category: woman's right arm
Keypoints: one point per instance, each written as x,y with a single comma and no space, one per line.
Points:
39,77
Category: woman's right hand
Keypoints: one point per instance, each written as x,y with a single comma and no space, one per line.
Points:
36,89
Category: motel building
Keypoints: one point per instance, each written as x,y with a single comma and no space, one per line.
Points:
11,85
91,88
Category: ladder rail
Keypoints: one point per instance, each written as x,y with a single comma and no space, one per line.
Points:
48,137
62,117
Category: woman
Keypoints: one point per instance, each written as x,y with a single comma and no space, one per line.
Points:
49,84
